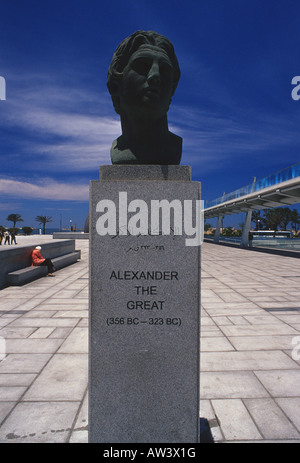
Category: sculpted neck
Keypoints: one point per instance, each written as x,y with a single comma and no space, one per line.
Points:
144,135
146,142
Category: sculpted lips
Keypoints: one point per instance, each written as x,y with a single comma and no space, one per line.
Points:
152,91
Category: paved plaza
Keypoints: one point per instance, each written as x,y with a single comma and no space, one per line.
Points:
250,350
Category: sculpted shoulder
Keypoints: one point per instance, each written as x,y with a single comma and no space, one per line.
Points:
167,154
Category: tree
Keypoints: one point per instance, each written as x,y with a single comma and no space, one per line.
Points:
286,216
256,218
207,226
295,220
14,218
228,231
27,230
43,219
273,219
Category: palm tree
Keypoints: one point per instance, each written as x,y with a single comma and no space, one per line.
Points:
43,219
14,218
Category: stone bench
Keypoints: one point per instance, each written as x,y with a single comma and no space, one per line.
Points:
17,260
70,236
25,275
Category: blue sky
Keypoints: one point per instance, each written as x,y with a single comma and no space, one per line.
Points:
233,105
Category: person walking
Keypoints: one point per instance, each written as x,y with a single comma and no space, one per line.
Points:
38,259
13,237
6,237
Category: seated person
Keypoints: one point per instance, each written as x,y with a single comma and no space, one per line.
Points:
38,259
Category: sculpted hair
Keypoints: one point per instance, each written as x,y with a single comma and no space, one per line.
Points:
129,46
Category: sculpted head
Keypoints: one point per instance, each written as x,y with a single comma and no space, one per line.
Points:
143,74
142,78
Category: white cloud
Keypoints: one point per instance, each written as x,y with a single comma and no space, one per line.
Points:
45,189
60,126
208,135
9,206
70,129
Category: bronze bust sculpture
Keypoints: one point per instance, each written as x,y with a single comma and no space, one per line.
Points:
142,78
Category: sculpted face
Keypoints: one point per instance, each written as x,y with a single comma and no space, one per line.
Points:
147,83
142,78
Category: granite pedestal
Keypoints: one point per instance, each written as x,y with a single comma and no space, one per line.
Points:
144,309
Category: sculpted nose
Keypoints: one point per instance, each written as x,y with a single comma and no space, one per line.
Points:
154,74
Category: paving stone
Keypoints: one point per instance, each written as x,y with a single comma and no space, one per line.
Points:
40,314
207,413
70,306
215,343
64,378
79,437
273,342
50,422
82,419
291,407
5,408
24,363
231,296
235,421
62,301
259,330
16,332
60,332
71,314
211,331
66,294
222,310
57,322
42,333
42,346
76,342
290,319
239,320
279,305
4,322
270,420
221,321
206,321
16,379
265,319
249,360
281,383
230,384
11,393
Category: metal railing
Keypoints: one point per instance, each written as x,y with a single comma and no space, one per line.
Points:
274,179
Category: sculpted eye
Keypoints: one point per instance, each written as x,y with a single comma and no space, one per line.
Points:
165,68
141,66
